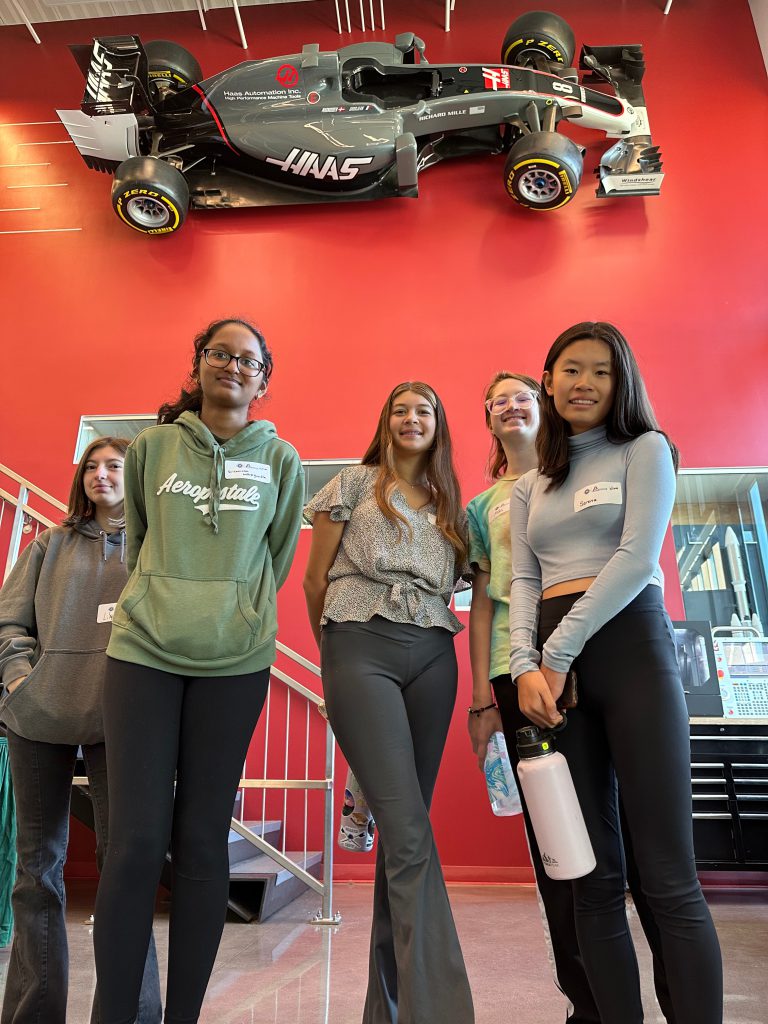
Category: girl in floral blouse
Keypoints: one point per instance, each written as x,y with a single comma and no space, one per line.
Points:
388,546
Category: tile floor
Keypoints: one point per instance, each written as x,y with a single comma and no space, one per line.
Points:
288,971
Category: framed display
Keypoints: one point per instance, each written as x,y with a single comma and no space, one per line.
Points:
696,659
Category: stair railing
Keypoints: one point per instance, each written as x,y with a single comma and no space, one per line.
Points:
29,519
25,518
312,714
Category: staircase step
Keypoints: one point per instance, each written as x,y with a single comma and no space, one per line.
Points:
262,866
259,886
240,849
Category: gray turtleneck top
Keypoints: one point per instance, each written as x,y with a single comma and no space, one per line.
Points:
607,520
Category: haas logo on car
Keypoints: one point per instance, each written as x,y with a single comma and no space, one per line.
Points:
101,83
496,78
304,162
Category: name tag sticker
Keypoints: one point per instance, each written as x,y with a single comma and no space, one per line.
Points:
604,492
432,518
236,470
105,613
498,510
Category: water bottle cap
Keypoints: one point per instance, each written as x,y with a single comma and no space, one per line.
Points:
535,742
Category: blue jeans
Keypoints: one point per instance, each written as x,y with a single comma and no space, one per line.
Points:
38,971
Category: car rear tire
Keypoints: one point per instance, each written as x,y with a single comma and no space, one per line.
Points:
150,196
538,33
171,68
543,170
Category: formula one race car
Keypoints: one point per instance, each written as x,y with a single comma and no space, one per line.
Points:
356,123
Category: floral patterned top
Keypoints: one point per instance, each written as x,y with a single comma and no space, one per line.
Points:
381,567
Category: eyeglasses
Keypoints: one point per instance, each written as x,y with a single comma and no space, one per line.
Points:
245,365
522,400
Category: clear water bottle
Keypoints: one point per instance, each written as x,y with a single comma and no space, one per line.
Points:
357,824
561,835
500,779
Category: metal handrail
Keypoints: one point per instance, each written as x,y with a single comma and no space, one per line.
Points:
23,512
324,784
32,487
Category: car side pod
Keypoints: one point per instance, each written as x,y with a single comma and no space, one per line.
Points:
406,161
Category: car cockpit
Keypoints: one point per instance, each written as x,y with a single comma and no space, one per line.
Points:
368,81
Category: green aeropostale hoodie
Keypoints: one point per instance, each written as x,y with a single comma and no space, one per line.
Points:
211,529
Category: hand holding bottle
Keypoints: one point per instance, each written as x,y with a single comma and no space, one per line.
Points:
536,699
481,728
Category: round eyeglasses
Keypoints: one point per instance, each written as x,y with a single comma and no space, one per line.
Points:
245,364
522,400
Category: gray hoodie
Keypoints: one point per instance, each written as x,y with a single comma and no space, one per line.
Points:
55,622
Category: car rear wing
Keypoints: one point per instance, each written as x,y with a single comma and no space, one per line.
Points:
116,75
106,129
633,165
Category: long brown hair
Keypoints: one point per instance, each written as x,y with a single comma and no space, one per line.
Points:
80,508
440,470
497,459
631,413
191,396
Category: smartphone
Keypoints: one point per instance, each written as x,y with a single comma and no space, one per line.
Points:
569,698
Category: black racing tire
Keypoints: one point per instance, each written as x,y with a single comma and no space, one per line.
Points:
543,170
171,68
150,196
538,32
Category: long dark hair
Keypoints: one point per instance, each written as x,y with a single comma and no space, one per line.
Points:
191,397
631,413
80,508
497,458
440,470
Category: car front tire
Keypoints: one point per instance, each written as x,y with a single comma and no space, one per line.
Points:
538,33
543,171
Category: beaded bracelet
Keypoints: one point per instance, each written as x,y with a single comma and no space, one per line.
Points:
479,711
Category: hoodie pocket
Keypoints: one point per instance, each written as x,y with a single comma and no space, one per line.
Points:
60,700
202,621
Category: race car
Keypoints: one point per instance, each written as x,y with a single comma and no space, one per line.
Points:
356,123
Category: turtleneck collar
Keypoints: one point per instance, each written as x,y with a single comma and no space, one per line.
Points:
588,441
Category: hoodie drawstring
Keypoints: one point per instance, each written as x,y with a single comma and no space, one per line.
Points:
217,475
105,540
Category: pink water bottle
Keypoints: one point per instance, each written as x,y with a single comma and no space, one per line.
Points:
561,835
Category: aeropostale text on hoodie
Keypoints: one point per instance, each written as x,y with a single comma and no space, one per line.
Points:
211,530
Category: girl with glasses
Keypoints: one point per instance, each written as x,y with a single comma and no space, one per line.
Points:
388,547
586,596
213,510
512,415
55,610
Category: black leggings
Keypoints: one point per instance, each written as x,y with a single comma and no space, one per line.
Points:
160,728
557,895
631,720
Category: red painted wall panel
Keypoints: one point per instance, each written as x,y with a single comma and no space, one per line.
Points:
449,287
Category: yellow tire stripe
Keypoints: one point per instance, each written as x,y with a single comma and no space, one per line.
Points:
536,160
506,52
143,231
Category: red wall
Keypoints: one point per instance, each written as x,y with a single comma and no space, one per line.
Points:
449,287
